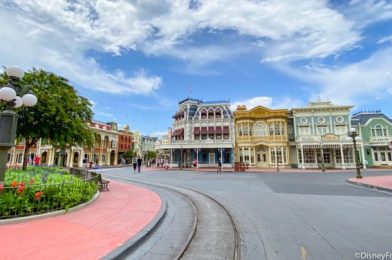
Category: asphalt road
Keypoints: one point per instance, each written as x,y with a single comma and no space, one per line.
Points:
294,215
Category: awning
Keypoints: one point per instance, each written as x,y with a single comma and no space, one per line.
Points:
196,130
211,130
204,130
218,130
181,131
225,129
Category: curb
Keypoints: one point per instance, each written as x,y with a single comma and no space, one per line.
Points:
50,214
369,186
133,243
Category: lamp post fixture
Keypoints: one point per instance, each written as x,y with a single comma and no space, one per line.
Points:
353,134
10,96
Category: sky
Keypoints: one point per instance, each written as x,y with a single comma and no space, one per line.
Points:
135,60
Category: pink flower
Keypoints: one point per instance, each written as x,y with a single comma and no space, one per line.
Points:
1,187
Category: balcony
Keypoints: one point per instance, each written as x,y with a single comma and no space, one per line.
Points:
264,139
381,139
209,143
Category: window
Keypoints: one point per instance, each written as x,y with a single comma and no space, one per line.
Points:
375,156
383,158
226,157
338,156
271,129
239,130
322,130
304,130
348,155
341,130
309,156
260,129
379,131
277,128
327,156
299,156
389,156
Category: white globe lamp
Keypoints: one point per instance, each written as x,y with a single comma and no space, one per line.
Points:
18,102
7,94
29,100
14,72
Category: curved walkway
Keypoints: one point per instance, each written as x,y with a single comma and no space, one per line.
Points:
378,182
88,233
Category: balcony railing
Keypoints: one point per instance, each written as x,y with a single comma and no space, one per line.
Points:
381,139
265,139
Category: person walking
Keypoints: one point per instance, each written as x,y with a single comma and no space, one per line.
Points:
134,164
139,164
219,170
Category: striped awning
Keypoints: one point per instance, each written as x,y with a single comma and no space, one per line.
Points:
226,130
218,130
211,130
196,130
204,130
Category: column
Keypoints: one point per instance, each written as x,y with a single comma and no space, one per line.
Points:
342,155
171,156
250,155
363,156
197,157
302,156
243,154
276,155
254,155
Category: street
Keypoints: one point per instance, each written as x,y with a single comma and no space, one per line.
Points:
292,215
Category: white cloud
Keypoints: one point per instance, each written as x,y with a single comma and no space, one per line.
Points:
158,134
387,39
56,36
288,29
105,114
356,83
269,102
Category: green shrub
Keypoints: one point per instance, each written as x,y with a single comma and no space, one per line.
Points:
42,189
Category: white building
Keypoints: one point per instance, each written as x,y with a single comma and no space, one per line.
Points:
201,132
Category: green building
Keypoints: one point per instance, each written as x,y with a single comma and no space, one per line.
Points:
375,128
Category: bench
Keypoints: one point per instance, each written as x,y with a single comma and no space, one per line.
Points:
103,184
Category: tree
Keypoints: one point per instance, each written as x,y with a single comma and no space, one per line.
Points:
61,115
151,155
129,154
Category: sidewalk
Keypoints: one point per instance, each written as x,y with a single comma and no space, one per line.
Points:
378,182
88,233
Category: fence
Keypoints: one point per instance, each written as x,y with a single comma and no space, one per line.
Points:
20,199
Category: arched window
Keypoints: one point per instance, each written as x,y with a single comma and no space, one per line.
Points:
277,128
218,113
260,129
379,130
203,114
210,113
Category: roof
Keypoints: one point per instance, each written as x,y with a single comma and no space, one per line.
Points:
363,117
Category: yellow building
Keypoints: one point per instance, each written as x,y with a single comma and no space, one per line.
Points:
261,136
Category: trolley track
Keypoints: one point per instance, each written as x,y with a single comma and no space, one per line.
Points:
203,233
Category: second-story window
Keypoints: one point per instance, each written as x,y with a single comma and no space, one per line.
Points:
322,130
277,128
304,130
379,130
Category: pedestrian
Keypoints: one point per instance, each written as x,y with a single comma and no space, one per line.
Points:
134,165
219,170
37,160
194,164
139,164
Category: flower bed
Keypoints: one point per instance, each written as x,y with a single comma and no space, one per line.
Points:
42,189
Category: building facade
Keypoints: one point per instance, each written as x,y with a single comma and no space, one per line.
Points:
124,142
321,136
375,128
137,143
202,132
148,144
103,152
261,138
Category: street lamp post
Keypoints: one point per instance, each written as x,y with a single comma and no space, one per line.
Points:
353,134
10,97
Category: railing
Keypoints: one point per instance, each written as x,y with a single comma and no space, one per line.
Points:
20,199
266,139
381,139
